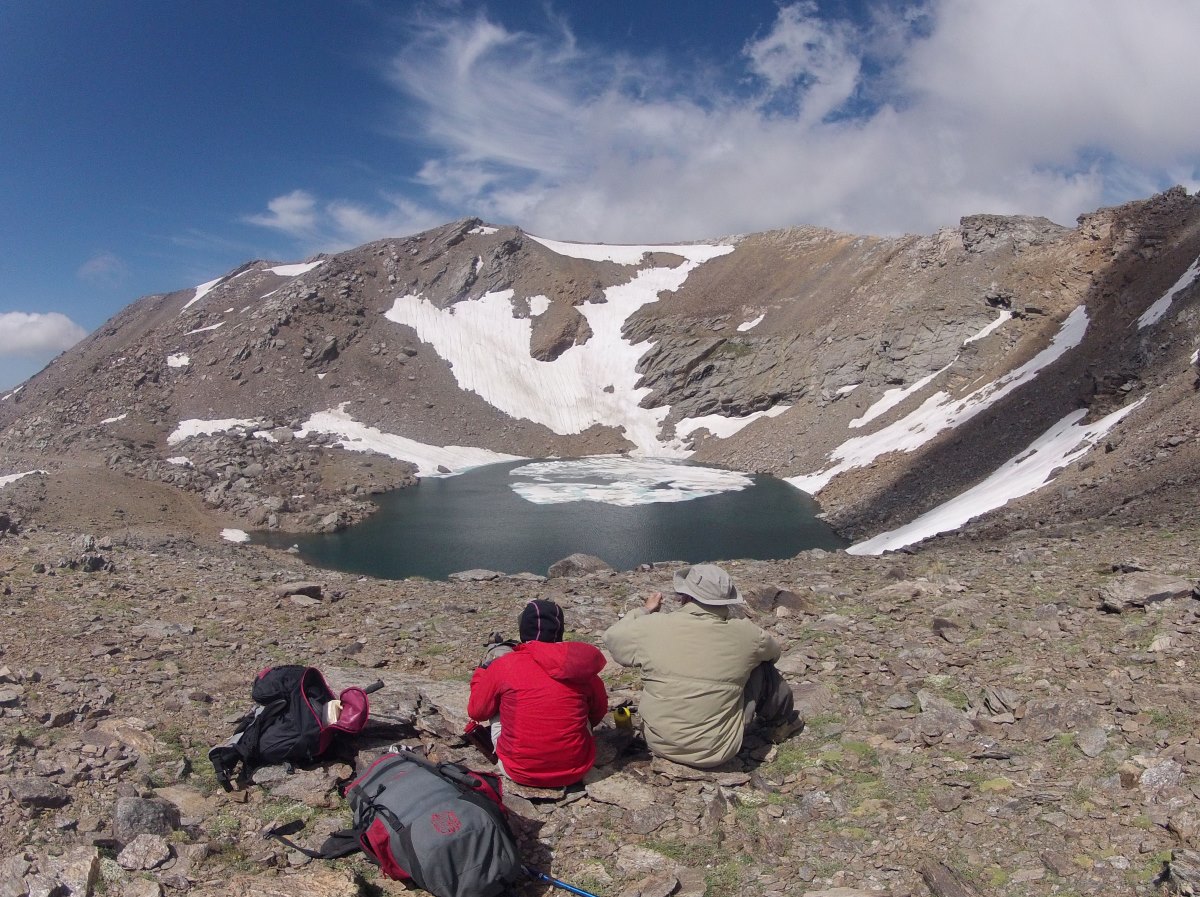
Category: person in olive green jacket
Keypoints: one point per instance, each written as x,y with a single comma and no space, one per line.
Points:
706,677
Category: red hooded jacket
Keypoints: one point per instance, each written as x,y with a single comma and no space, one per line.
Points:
548,696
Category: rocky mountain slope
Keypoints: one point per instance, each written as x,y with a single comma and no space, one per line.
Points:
781,352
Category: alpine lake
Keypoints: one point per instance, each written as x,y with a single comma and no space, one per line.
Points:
523,516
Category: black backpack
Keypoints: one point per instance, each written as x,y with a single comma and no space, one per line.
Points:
441,826
290,723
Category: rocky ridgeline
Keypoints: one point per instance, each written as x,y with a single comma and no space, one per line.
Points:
1008,718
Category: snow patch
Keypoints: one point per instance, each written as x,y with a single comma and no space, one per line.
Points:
179,360
483,229
113,420
847,389
209,327
11,394
1155,312
626,482
941,411
13,477
595,383
358,437
723,427
201,291
235,535
1005,315
538,305
893,397
197,427
1195,359
750,325
295,270
1061,445
180,461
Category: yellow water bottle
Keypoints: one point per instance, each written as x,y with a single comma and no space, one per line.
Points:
622,718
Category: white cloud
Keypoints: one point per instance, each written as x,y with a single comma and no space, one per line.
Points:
293,213
339,224
929,111
36,333
104,269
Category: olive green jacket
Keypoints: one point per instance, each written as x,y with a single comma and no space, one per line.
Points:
695,663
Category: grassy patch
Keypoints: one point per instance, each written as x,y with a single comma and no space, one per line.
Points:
281,812
724,880
946,688
815,724
1175,720
734,349
593,885
223,826
690,853
790,758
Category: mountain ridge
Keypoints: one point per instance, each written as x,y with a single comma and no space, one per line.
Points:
767,353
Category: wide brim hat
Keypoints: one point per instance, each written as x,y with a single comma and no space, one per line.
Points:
708,584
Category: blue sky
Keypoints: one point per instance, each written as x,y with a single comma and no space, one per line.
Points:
147,146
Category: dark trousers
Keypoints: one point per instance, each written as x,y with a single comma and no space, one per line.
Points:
767,698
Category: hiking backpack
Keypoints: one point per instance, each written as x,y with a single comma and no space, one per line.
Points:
441,826
290,723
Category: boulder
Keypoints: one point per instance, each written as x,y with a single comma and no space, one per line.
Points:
577,564
33,791
1130,590
139,815
311,589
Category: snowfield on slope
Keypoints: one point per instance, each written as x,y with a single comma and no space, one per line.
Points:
1064,443
941,412
594,383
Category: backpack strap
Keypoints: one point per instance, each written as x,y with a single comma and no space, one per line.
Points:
338,844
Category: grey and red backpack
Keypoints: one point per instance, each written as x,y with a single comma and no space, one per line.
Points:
440,826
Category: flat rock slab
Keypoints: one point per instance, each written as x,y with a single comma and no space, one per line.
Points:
530,793
144,852
314,880
478,575
436,708
309,589
622,790
728,774
33,791
191,802
1131,590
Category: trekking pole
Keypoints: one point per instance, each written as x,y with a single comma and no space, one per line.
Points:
373,687
550,880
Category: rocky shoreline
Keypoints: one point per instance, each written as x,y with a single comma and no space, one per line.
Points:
1017,715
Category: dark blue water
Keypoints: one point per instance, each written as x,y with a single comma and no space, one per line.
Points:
476,520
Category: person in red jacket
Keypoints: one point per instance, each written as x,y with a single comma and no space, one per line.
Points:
542,699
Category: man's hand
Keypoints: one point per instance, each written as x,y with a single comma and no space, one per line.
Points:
653,603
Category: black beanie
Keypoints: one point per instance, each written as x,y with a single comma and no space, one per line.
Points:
541,621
